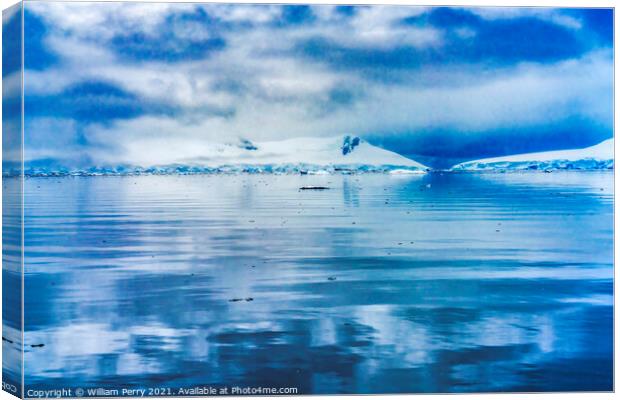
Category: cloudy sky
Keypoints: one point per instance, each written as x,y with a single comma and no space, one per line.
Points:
143,83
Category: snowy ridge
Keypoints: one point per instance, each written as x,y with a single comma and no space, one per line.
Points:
339,151
347,154
598,157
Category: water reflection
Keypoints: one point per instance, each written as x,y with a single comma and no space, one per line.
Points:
437,283
12,282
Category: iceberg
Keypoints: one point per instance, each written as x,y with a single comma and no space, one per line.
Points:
597,157
406,171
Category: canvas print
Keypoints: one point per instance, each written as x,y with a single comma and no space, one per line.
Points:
212,199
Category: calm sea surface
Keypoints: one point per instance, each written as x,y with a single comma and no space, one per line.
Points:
436,283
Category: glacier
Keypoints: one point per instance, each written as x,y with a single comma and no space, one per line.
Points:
312,156
597,157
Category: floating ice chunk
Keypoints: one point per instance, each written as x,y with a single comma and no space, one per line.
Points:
402,171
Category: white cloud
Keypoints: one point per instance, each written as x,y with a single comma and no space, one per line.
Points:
378,27
256,14
553,15
104,20
522,98
276,94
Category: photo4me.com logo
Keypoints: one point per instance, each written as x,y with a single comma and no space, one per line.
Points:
9,387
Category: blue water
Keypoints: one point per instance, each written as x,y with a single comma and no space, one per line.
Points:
438,283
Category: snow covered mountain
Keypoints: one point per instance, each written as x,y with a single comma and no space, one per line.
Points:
344,154
600,156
